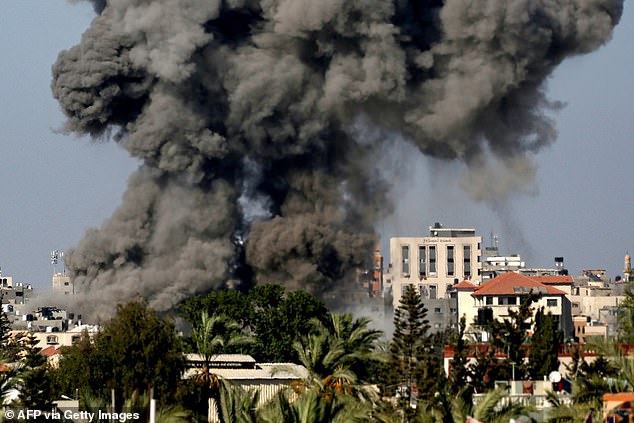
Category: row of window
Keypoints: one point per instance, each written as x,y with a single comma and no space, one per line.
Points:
427,260
53,339
550,302
428,292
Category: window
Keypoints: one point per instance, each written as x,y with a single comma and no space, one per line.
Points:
432,292
405,257
488,300
450,261
422,291
466,262
422,262
508,300
403,289
437,310
75,339
51,339
485,315
432,260
551,302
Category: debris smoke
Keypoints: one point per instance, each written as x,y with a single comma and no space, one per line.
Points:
242,113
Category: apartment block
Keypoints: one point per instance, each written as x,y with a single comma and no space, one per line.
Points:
433,264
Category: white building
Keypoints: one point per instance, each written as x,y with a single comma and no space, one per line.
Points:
433,264
495,298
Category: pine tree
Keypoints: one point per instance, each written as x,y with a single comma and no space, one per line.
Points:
626,317
460,374
414,361
36,385
9,347
5,327
544,346
510,335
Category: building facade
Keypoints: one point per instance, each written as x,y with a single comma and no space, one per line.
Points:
61,283
495,298
433,264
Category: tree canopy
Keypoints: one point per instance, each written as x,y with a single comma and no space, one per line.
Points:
274,317
134,351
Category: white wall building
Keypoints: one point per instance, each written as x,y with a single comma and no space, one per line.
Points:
495,298
433,264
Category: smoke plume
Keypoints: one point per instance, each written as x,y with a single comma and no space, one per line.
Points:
242,114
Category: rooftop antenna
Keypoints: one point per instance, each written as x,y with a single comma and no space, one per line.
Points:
55,256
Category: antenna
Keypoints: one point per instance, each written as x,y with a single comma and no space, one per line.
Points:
55,255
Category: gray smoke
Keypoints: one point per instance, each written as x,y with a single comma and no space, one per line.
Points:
243,112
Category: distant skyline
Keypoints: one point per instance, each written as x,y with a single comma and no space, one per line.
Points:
54,186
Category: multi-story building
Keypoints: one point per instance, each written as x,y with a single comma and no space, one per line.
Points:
14,292
494,264
62,284
599,302
495,298
433,264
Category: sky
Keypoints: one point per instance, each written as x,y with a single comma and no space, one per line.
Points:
581,206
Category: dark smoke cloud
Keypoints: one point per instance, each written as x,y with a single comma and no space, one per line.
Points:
242,113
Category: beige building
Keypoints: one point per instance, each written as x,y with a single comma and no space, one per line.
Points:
495,298
61,283
433,264
586,328
59,339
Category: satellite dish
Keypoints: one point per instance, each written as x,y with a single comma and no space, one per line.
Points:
554,376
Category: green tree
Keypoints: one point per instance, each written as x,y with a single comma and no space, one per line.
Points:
545,344
511,335
460,374
238,405
9,346
274,317
336,355
413,360
211,336
311,407
281,319
35,382
5,328
626,316
482,370
134,352
232,304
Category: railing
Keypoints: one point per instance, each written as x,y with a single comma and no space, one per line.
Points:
536,401
565,350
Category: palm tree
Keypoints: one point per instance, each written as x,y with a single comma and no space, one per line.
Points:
333,354
311,407
211,337
238,405
571,413
493,407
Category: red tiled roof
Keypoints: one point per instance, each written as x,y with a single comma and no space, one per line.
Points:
552,280
49,351
506,283
465,285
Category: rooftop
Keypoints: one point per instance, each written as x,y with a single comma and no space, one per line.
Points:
553,279
513,283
